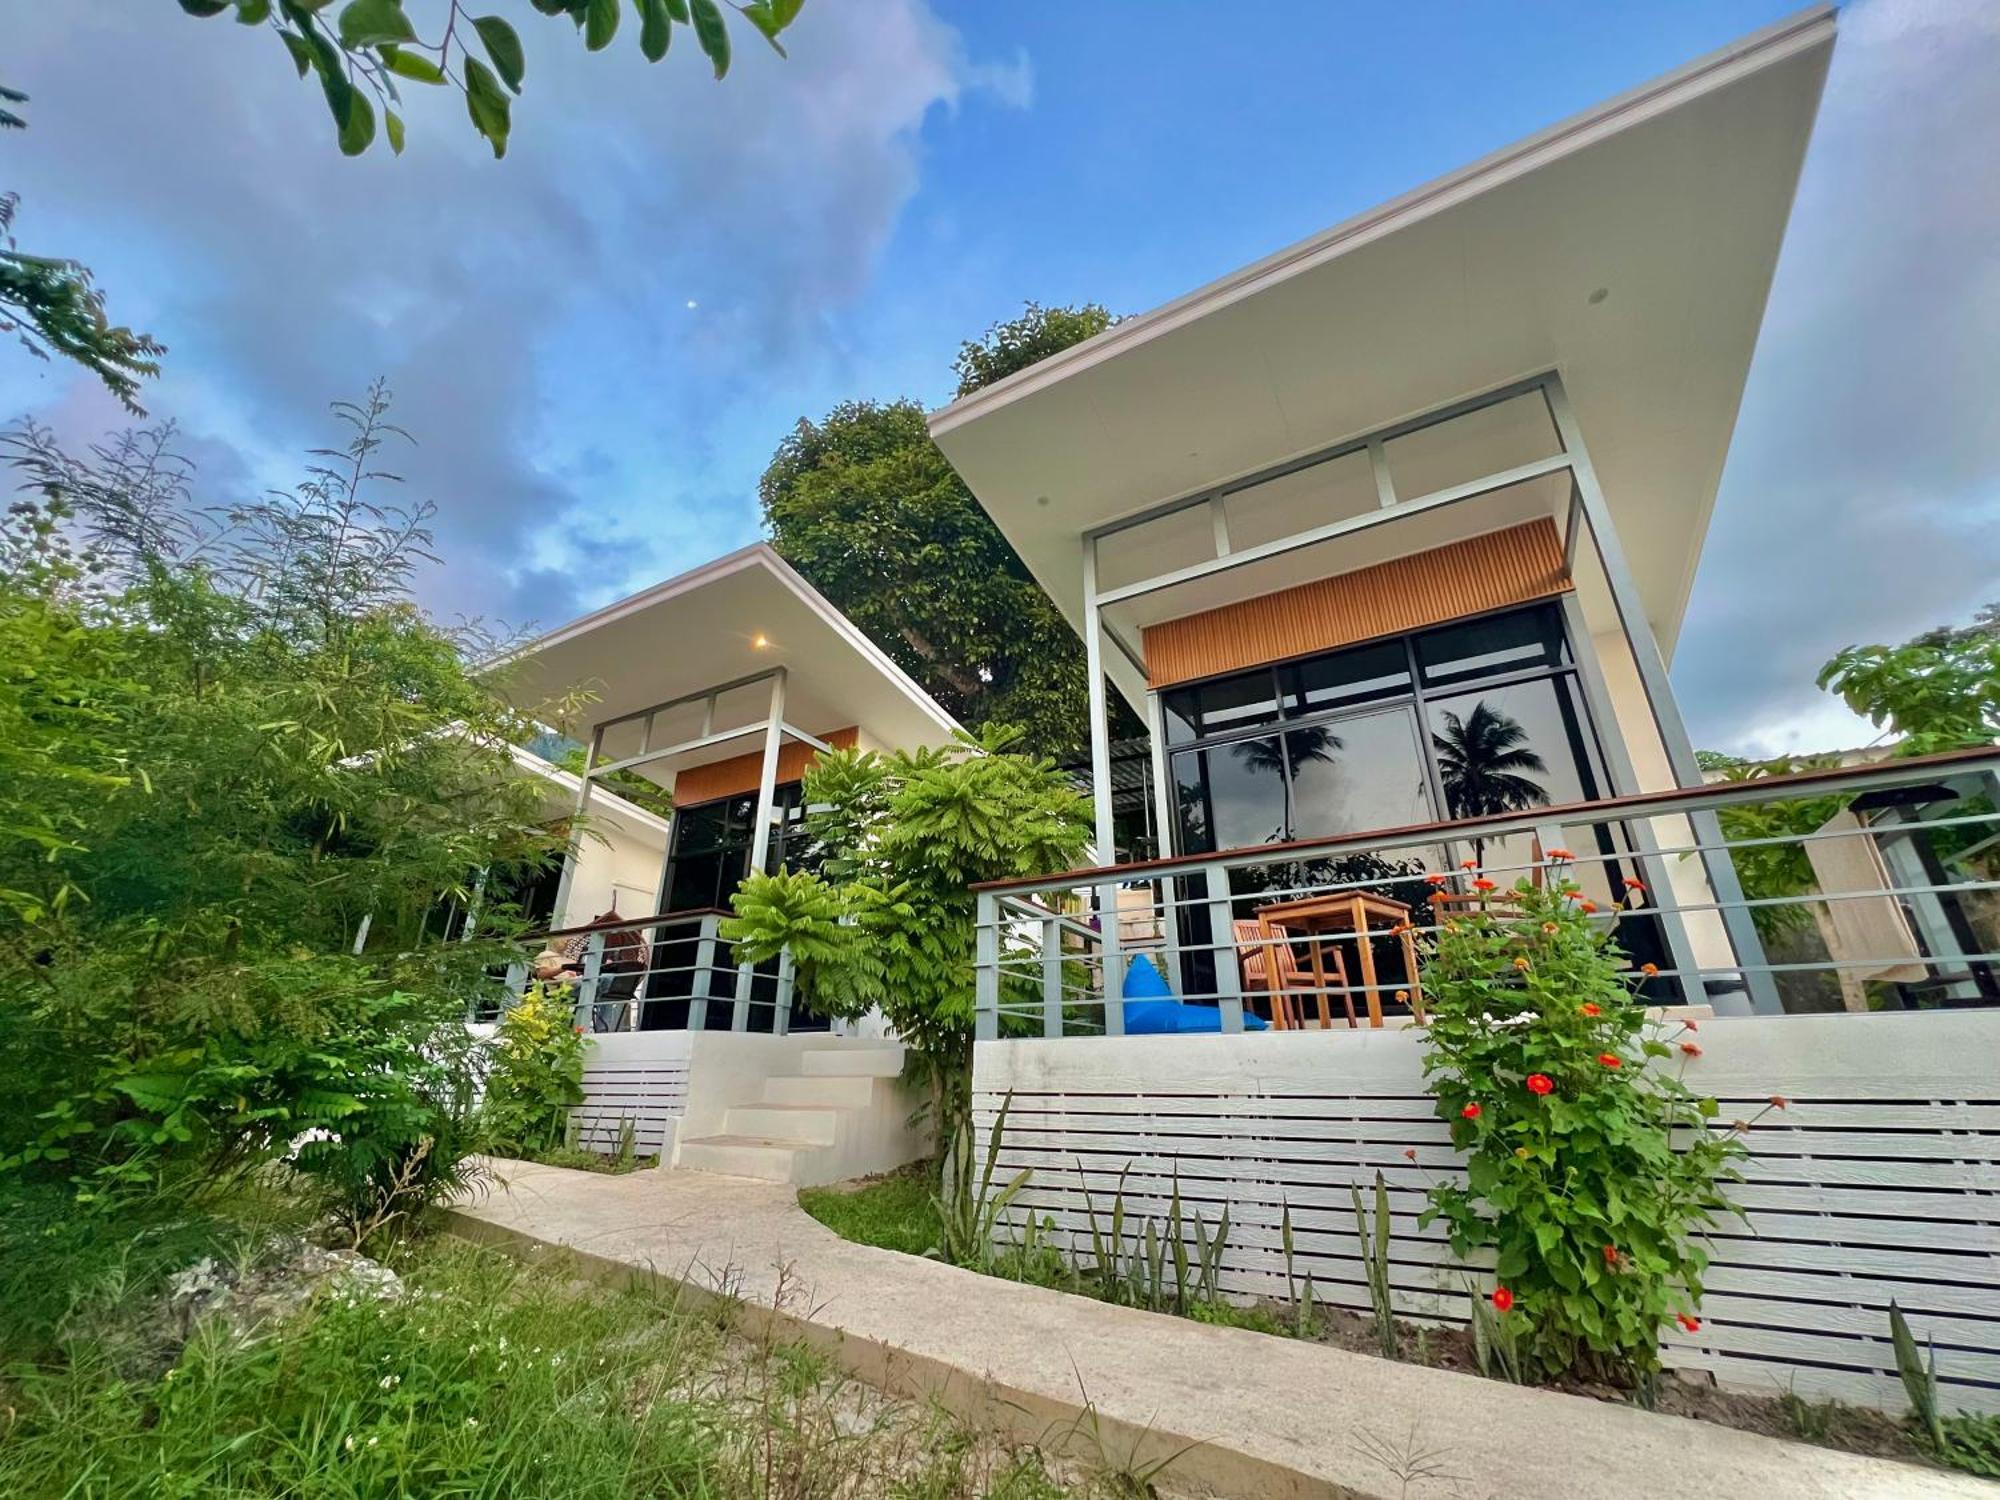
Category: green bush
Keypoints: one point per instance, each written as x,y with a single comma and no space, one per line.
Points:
1564,1100
536,1076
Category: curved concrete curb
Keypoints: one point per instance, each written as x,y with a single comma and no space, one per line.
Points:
1247,1414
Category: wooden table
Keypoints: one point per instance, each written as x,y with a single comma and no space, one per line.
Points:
1362,913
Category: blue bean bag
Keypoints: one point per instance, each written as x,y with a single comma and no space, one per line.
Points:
1152,1010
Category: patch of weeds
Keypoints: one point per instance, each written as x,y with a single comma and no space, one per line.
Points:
578,1159
891,1212
1258,1318
798,1369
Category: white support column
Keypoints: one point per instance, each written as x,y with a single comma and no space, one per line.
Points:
760,837
576,833
1652,670
1100,727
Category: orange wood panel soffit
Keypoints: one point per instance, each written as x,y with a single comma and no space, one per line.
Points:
728,778
1515,566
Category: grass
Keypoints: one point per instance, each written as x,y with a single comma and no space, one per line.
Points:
580,1160
486,1377
892,1212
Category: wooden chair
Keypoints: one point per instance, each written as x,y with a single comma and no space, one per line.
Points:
1269,963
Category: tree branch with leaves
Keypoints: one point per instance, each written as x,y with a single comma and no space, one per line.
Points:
366,51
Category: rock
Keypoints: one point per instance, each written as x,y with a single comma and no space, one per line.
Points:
281,1280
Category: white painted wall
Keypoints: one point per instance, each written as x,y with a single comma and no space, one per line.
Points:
614,861
1881,1180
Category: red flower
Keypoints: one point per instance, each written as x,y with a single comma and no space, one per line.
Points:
1482,884
1591,1008
1690,1026
1436,879
1438,898
1690,1049
1503,1299
1586,906
1692,1325
579,1031
1611,1255
1611,1059
1410,1152
1470,1112
1561,854
1649,970
1468,864
1634,885
1779,1101
1540,1083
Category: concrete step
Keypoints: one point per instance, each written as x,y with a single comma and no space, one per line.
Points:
831,1092
813,1124
856,1062
744,1156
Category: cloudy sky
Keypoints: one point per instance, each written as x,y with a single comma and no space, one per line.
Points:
598,341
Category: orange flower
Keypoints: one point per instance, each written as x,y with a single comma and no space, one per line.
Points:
1435,879
1402,997
1611,1059
1551,928
1482,884
1561,854
1649,970
1690,1026
1611,1255
1779,1101
1586,906
1692,1325
1411,1153
1591,1008
1521,964
1634,885
1690,1049
1468,864
1438,898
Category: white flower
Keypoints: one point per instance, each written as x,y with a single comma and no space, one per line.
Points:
555,1361
373,1441
349,1444
472,1421
390,1382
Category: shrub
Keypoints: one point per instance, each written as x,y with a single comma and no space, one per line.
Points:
536,1077
1565,1101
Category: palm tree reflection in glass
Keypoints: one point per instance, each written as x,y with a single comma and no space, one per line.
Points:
1480,759
1266,757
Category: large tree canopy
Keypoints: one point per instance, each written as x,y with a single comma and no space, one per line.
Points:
866,506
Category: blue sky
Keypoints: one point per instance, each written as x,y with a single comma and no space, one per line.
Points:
599,341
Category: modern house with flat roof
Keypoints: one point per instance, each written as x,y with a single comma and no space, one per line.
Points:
1388,539
720,687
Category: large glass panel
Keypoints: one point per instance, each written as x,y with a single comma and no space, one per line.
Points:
1357,676
1485,441
1511,749
1233,796
1357,773
1330,490
1518,641
1248,700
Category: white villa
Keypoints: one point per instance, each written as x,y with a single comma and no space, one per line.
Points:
721,686
1388,538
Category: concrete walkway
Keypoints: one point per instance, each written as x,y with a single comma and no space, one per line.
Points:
1268,1416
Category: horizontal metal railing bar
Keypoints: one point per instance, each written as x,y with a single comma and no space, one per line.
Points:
1710,797
620,924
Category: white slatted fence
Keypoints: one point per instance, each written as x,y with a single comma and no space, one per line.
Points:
637,1076
1882,1180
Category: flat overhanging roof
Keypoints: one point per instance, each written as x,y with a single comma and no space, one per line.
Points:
1630,249
731,619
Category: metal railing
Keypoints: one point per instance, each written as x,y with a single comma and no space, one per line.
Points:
672,972
1865,887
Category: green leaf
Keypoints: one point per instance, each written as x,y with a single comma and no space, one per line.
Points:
504,47
488,104
711,33
678,10
656,29
370,23
764,17
353,114
301,50
206,8
253,12
410,65
392,123
600,24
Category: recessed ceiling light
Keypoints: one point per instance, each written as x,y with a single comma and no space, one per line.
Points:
1041,499
1599,295
760,640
